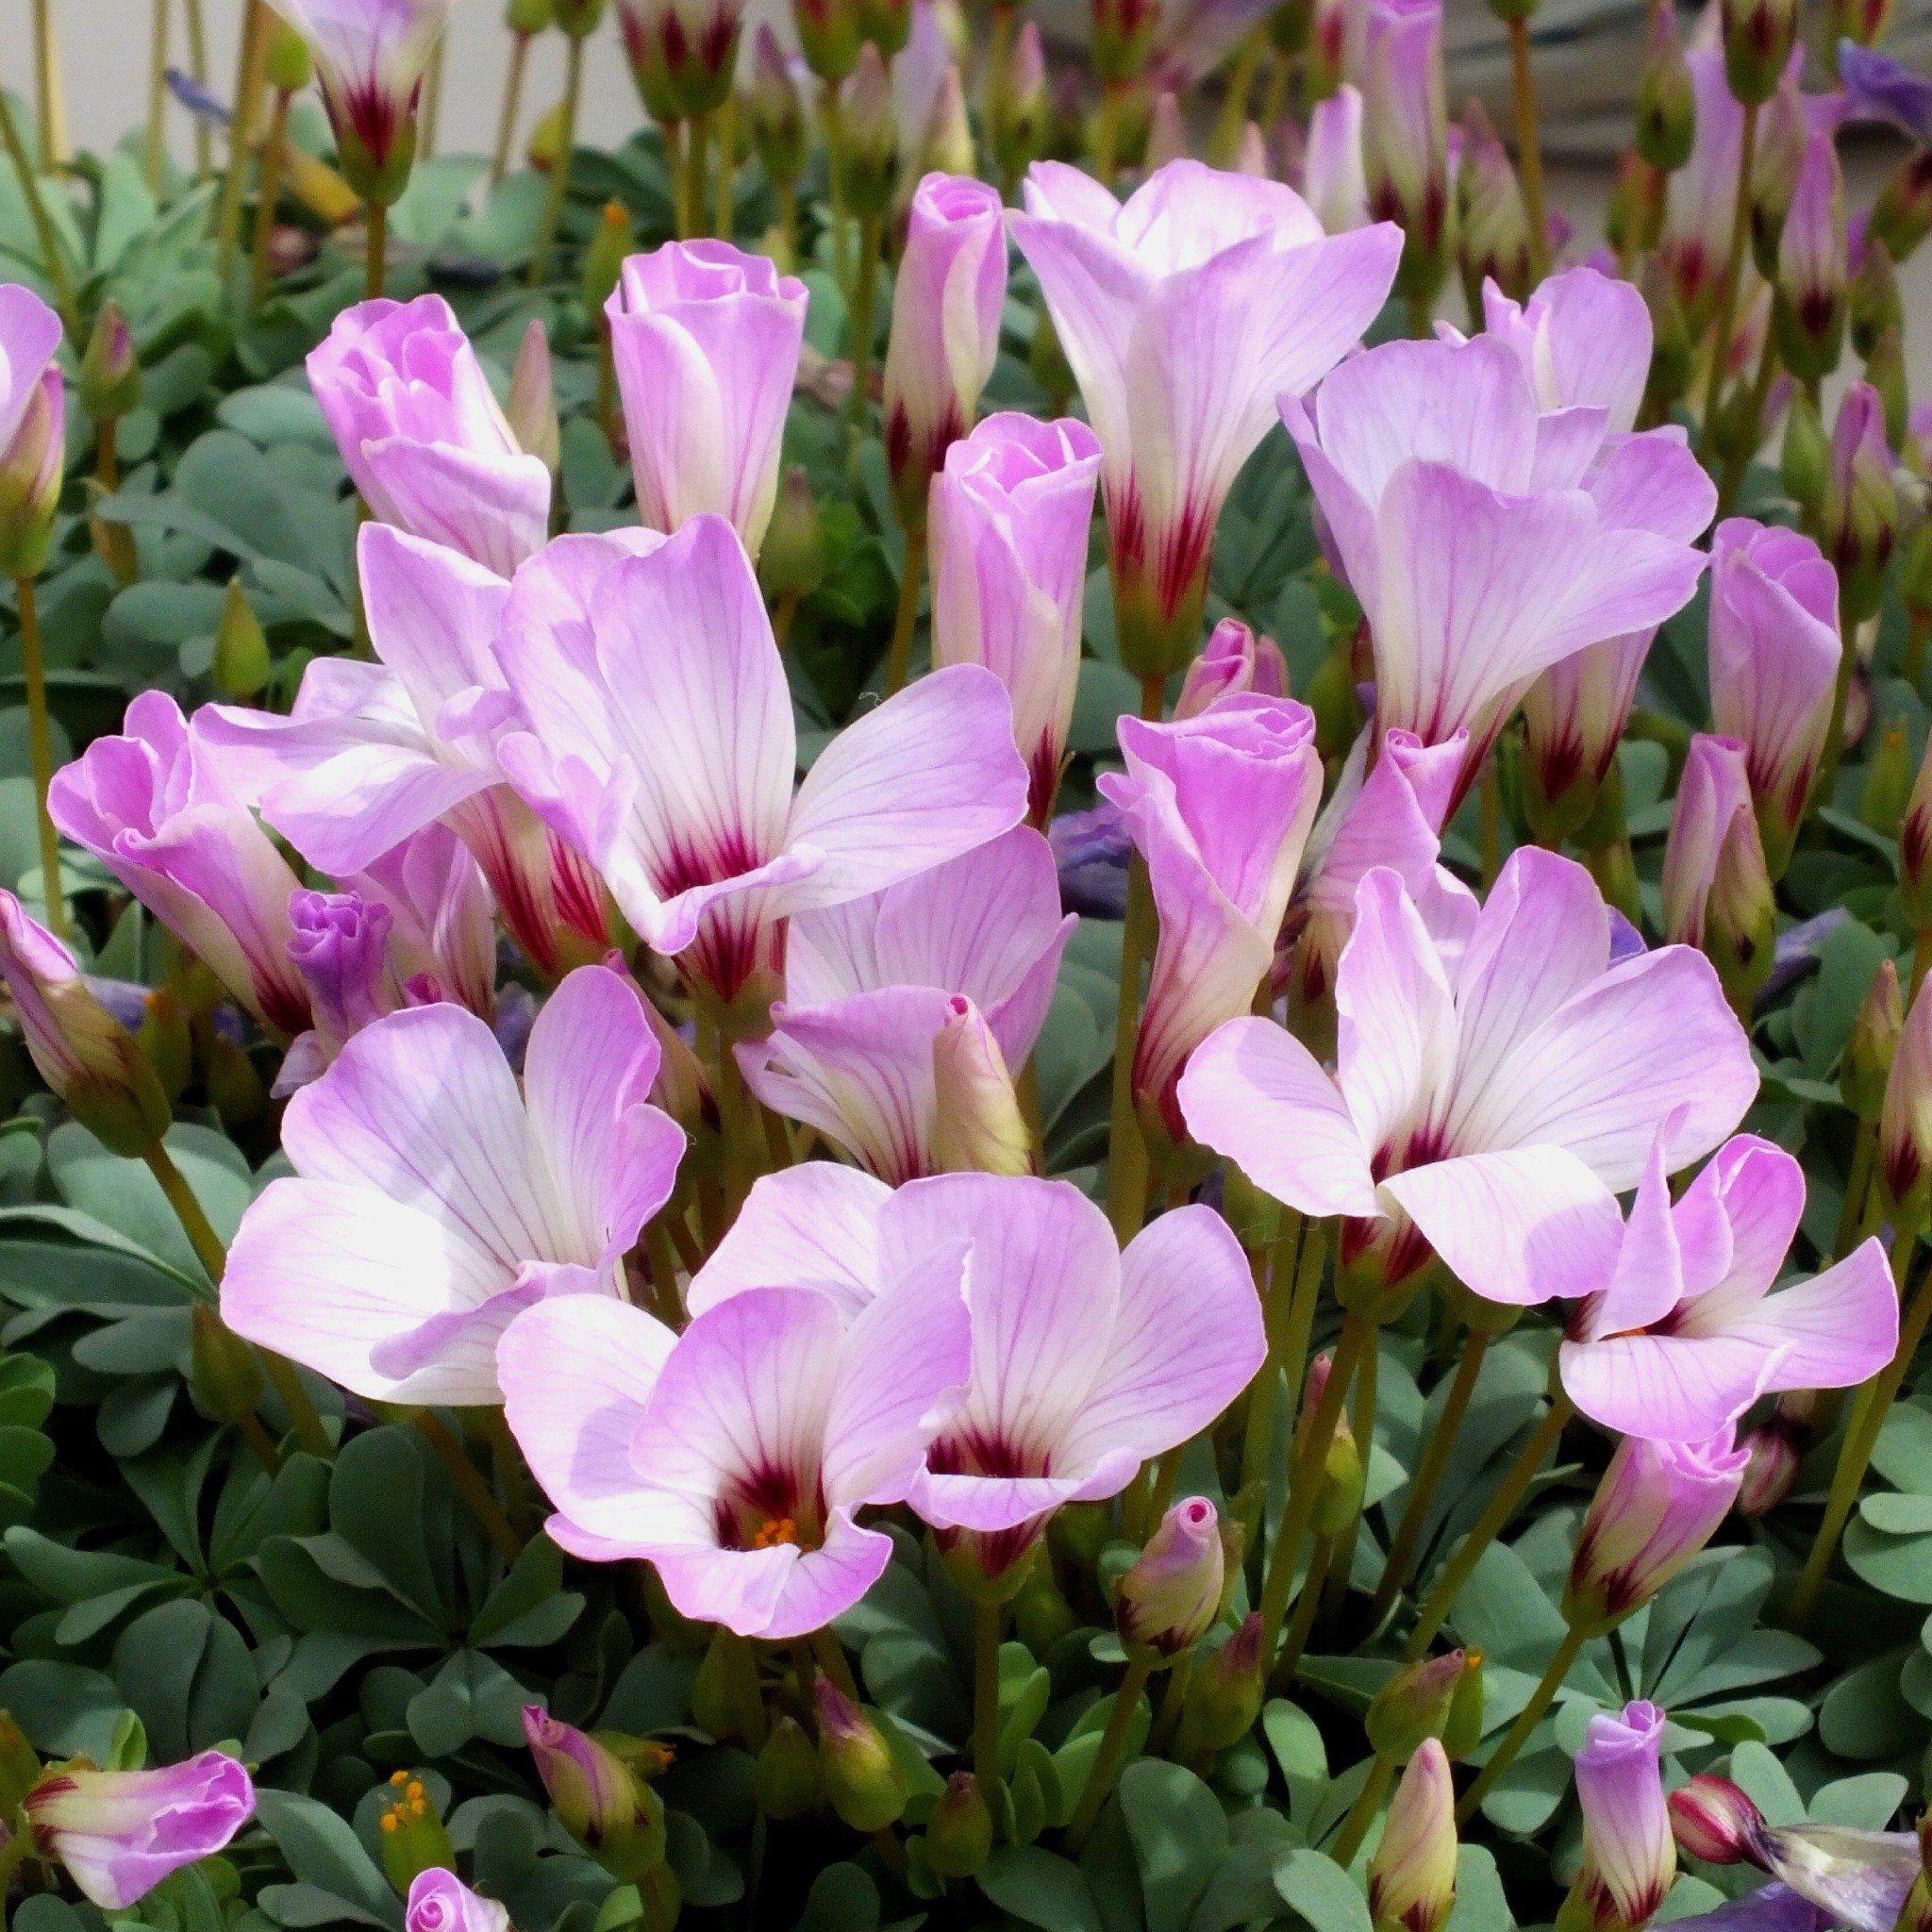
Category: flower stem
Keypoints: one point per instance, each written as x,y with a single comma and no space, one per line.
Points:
511,110
1529,153
251,78
155,151
832,125
1561,1658
1106,1760
1858,1184
1127,1146
1727,288
197,69
1361,1814
1490,1524
1822,786
1341,1565
476,1494
725,213
40,748
1321,1556
1749,430
911,580
377,275
1106,131
697,170
559,167
59,280
986,1695
1918,630
274,153
864,300
1281,1312
1225,142
1428,1475
49,109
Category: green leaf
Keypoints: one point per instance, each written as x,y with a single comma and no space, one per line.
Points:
1040,1887
1322,1892
326,1856
1179,1834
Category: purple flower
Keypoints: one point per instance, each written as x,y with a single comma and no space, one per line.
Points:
946,302
705,339
1220,806
1700,198
736,1457
442,919
1091,848
1499,1083
1404,120
1714,864
1333,179
1011,510
1686,1334
120,1832
422,436
340,948
1629,1855
440,1902
1184,315
433,1201
1884,89
154,805
655,732
591,1787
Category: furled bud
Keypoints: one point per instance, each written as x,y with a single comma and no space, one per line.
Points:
1629,1858
1234,660
958,1835
1170,1597
1416,1703
872,135
1811,265
1874,1040
1224,1696
1905,1120
1864,22
1805,458
31,466
242,665
725,1695
1902,215
1412,1873
597,1795
792,562
1715,1822
1666,102
862,1782
604,258
1771,1471
1860,502
110,381
785,1777
828,35
532,408
978,1124
777,112
1492,236
414,1839
1016,112
1873,303
1757,36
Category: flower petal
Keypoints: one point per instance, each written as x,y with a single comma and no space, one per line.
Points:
813,1225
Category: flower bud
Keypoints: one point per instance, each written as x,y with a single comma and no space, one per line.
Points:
828,35
683,53
1805,455
958,1835
225,1373
1016,113
978,1125
1902,215
886,23
1873,1043
1888,783
1781,143
777,112
872,135
1224,1694
725,1695
1492,236
1885,370
1905,1120
1416,1703
1810,308
20,1765
1171,1598
1343,1474
242,665
532,408
1872,302
1041,1616
1233,660
234,1088
604,258
578,17
1412,1873
1860,513
1657,1506
414,1839
288,66
1771,1471
528,17
1404,134
1757,36
862,1781
1629,1858
110,381
31,468
1666,102
1122,37
785,1777
946,145
597,1796
1714,1821
81,1051
793,561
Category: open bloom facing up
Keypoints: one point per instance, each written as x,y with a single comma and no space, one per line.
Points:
705,339
871,985
370,754
154,806
656,733
1629,1855
1500,1082
433,1201
422,436
1485,536
1011,513
439,1901
1220,806
1184,314
1086,1361
736,1457
1685,1335
120,1832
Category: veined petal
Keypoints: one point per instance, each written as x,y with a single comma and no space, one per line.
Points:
778,1594
813,1225
1834,1331
493,507
431,614
1666,1388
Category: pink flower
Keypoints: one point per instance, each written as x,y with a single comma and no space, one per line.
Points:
422,437
1404,119
1713,844
1233,660
1500,1082
33,429
1169,1598
1774,661
371,755
120,1832
1685,1335
736,1457
439,1901
1011,510
1700,198
443,918
1629,1855
340,948
1184,315
432,1201
1582,338
871,985
1086,1361
1220,806
591,1787
705,339
655,732
946,302
155,807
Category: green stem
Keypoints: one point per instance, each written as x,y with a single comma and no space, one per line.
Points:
155,152
560,168
59,280
1822,784
788,227
1529,153
1127,1147
1727,288
512,108
1226,139
1858,1184
906,619
198,67
274,153
1106,130
41,749
1113,1742
1342,1566
251,77
1517,1736
697,170
1166,1720
1490,1525
1917,631
1361,1814
48,108
1428,1475
376,274
986,1696
724,215
832,125
1491,806
1321,1556
1749,430
864,301
476,1494
1280,1312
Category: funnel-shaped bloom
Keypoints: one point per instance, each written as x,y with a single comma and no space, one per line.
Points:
1584,339
433,1201
422,436
1170,1597
439,1901
872,984
1012,511
737,1455
370,754
1629,1855
705,339
656,733
1486,538
1220,806
120,1832
154,805
1184,314
1686,1334
1500,1082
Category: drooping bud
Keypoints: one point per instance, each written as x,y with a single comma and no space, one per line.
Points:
415,1837
978,1125
786,1776
958,1835
1412,1873
1757,36
1170,1597
1905,1120
872,135
1714,1821
1874,1040
109,380
1811,266
1016,114
1902,215
862,1781
777,112
1224,1696
1666,101
1860,502
532,408
1492,237
242,665
1416,1703
1873,303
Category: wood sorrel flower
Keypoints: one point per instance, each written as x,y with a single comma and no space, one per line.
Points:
1184,314
1499,1083
119,1833
1332,180
33,429
706,341
1685,1335
1904,1122
1405,132
439,1901
422,435
433,1200
1233,660
340,948
1629,1855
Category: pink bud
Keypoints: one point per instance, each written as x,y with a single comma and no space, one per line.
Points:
1714,1821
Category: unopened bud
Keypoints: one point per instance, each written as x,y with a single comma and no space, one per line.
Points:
1343,1474
597,1795
947,147
31,468
1419,1701
1861,511
528,17
1771,1471
545,145
1412,1875
1805,458
414,1839
1041,1616
1905,1120
235,1089
1885,370
1902,215
872,135
979,1127
1888,783
862,1782
604,257
786,1776
288,66
109,383
1713,1819
1224,1697
1016,113
1167,131
1874,304
793,561
828,35
886,23
958,1836
1757,36
242,665
1781,143
225,1374
578,18
724,1694
20,1765
777,114
1170,1597
532,408
1666,103
1122,37
1492,237
1874,1040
